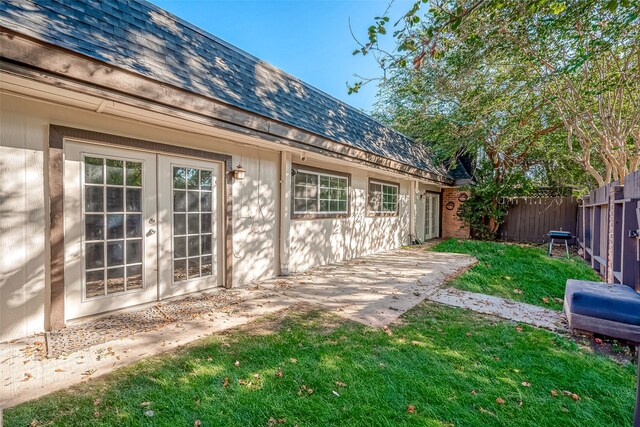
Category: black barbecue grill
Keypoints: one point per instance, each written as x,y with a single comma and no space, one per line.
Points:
559,235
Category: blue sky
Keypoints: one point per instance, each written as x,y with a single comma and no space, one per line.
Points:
309,39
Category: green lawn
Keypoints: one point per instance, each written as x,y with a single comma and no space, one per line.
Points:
441,366
522,273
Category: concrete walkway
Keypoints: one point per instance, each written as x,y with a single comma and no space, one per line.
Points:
373,290
534,315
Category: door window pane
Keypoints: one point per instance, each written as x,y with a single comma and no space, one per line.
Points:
94,199
134,277
192,232
94,170
94,283
94,255
115,280
115,253
114,249
134,200
179,178
115,226
94,227
134,174
115,172
115,202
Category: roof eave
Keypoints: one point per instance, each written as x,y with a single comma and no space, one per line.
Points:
38,60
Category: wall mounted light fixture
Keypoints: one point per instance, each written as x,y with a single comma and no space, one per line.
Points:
239,173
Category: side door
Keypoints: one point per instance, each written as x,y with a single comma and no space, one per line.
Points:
189,226
110,228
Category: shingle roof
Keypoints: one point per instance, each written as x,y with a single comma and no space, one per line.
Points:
143,38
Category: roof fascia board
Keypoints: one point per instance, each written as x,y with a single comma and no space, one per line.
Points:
52,65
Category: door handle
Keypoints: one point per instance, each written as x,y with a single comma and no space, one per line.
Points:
151,232
152,221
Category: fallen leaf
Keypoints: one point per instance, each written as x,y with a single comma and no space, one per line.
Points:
197,423
485,411
340,384
34,423
411,409
335,393
226,382
149,413
237,363
96,402
474,392
500,401
554,392
59,370
293,360
468,334
575,396
145,404
519,328
599,341
517,291
279,374
415,342
96,414
526,384
545,300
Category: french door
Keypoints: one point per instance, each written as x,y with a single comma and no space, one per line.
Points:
431,216
139,227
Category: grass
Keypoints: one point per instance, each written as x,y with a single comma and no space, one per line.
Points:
521,273
441,366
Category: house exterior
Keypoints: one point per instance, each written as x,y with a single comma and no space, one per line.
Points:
142,158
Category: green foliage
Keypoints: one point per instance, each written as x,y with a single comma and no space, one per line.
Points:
485,209
550,88
504,268
450,364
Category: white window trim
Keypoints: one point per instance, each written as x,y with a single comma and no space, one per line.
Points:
319,212
385,184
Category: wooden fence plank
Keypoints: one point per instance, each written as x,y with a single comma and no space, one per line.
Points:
528,220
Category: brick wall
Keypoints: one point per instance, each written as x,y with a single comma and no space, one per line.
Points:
452,226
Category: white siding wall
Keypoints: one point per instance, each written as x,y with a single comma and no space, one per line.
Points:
324,241
22,222
24,212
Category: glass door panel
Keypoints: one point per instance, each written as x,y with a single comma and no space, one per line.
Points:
188,226
110,240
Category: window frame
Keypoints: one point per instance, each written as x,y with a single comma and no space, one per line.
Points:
375,213
318,172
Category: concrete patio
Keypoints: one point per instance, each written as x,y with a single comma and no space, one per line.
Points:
373,290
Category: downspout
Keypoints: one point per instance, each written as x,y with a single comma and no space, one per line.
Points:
284,248
412,210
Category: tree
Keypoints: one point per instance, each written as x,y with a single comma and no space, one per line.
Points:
532,67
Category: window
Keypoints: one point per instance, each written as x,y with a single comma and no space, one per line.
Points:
383,198
322,194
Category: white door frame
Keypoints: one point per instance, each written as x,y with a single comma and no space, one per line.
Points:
431,215
167,286
76,301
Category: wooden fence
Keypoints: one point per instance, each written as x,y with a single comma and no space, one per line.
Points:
609,231
529,219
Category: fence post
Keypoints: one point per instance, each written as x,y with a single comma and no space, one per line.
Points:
616,192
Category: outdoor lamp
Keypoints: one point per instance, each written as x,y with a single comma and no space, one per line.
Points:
239,173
